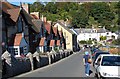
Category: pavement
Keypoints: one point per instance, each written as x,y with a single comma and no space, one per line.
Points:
71,66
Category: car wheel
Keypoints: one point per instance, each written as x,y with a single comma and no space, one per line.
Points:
99,76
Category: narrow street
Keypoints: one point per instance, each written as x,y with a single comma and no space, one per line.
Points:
68,67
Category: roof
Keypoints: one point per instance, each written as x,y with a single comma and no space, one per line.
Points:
101,30
14,13
42,41
55,30
47,27
66,28
29,21
74,31
58,42
52,42
93,30
7,5
34,16
77,30
37,23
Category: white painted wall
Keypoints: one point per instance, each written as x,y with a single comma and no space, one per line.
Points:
86,36
18,50
41,48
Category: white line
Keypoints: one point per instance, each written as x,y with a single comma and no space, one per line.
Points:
22,75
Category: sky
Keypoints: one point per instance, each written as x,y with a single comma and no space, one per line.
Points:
17,2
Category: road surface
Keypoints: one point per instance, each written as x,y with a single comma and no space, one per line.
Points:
71,66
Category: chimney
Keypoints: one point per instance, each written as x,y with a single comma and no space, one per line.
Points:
44,19
22,34
49,22
25,7
36,14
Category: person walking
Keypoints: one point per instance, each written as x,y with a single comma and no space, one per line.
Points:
87,61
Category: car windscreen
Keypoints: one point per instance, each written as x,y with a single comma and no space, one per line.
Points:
111,61
97,54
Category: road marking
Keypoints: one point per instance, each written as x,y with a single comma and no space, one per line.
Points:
42,68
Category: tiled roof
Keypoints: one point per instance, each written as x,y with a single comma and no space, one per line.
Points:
48,27
66,28
7,5
42,41
58,42
34,16
55,30
37,23
14,13
29,21
77,31
91,30
52,42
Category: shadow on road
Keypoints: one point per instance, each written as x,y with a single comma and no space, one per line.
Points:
90,72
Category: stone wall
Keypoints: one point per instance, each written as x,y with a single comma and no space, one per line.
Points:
17,66
111,50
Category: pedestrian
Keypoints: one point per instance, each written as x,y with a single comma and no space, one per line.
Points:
87,61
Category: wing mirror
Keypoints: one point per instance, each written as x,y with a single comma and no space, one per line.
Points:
96,63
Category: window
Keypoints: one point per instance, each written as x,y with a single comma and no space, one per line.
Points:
98,61
25,49
13,50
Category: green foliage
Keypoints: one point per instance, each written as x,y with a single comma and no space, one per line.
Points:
89,42
85,42
82,15
103,38
36,6
82,42
116,42
118,12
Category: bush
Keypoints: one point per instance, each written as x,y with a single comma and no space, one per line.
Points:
116,42
82,42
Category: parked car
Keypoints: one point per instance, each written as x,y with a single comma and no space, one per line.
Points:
107,66
97,54
94,52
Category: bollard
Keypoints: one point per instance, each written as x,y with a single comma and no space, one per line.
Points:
6,57
37,56
49,59
30,56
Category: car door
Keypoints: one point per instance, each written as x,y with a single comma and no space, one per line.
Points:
97,62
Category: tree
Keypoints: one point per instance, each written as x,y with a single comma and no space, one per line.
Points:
116,42
51,8
82,42
36,7
102,13
102,38
80,19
